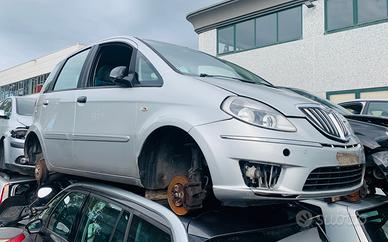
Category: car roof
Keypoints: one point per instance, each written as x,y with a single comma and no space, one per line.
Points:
31,96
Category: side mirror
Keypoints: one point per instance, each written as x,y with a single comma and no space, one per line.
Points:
2,114
44,192
121,76
35,226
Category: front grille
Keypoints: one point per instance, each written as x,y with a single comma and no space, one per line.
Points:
327,122
334,177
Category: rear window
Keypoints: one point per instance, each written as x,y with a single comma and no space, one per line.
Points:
374,222
25,106
378,109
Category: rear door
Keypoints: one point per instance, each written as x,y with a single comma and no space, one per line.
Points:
57,110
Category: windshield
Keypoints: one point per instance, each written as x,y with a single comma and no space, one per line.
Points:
25,106
192,62
322,101
374,222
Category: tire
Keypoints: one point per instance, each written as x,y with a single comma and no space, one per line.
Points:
41,173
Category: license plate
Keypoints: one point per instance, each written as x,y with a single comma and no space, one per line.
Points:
346,159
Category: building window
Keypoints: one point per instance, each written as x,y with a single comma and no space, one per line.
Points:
24,87
245,35
342,14
290,25
275,28
226,40
266,30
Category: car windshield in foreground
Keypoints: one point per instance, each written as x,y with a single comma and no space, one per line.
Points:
192,62
322,101
375,223
25,106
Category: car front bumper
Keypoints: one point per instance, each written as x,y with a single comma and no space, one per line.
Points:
228,142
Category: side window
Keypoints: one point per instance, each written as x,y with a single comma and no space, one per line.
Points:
146,72
71,71
379,109
143,231
109,57
65,213
98,222
354,108
121,227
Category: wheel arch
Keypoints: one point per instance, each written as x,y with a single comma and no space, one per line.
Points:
31,138
148,159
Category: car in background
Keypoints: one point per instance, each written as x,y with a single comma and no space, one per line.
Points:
15,118
373,135
133,111
93,212
12,184
364,220
377,108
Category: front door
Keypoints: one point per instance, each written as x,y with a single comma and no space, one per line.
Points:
57,110
105,119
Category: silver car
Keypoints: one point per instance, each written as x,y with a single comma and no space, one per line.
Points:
362,221
15,118
169,118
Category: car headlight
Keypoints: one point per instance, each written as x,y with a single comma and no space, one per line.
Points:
256,113
19,133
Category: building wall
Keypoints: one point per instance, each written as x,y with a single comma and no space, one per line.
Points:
355,58
26,78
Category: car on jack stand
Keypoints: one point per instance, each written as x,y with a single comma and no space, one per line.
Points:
176,120
93,212
353,221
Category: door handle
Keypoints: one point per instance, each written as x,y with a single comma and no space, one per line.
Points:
45,102
82,99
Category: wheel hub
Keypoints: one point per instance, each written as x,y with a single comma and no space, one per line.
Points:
176,195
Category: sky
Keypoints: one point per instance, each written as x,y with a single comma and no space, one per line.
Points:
33,28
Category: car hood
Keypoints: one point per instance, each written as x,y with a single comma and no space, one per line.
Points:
25,120
283,100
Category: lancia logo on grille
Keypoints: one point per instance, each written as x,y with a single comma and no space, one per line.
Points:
329,122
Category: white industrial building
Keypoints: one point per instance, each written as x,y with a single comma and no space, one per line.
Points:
334,48
28,78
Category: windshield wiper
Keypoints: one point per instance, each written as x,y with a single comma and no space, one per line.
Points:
235,78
